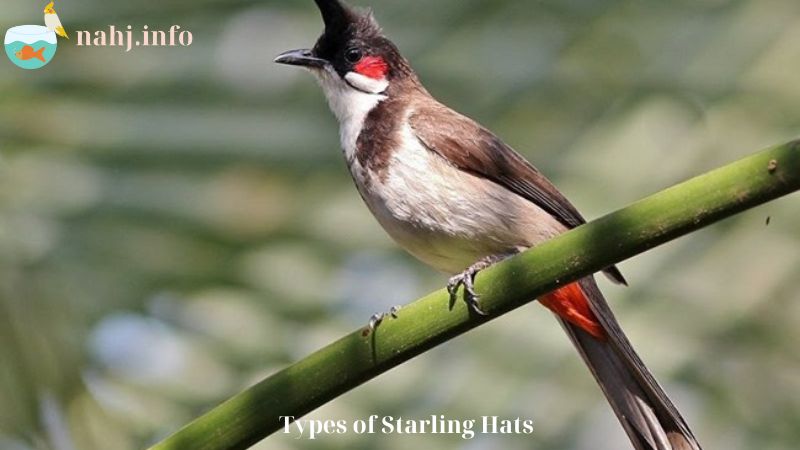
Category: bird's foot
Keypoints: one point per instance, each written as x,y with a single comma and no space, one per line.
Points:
377,319
467,279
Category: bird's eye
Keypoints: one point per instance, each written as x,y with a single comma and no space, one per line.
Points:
353,55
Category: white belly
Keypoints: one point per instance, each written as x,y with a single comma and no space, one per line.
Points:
445,217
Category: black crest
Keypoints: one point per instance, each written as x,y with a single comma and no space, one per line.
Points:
336,15
356,32
344,24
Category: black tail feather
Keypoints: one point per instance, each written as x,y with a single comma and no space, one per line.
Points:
650,419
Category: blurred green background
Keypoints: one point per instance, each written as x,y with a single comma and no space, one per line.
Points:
178,223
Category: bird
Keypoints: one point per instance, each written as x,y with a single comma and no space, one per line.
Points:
454,195
52,21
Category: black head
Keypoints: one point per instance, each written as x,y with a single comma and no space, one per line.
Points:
353,47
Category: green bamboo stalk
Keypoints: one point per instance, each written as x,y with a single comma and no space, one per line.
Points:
254,414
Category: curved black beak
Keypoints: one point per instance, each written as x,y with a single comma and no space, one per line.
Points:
302,58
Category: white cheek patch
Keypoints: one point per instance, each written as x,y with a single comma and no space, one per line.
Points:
367,84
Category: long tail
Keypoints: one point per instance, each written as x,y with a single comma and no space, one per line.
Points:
648,416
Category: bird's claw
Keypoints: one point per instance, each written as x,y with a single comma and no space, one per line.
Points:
466,279
377,319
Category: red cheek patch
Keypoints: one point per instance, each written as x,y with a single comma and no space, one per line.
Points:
373,67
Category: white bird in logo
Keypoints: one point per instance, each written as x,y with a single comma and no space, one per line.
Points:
52,21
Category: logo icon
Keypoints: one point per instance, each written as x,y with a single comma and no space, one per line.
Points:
34,46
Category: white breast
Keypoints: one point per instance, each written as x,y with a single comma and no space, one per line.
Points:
51,21
446,217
